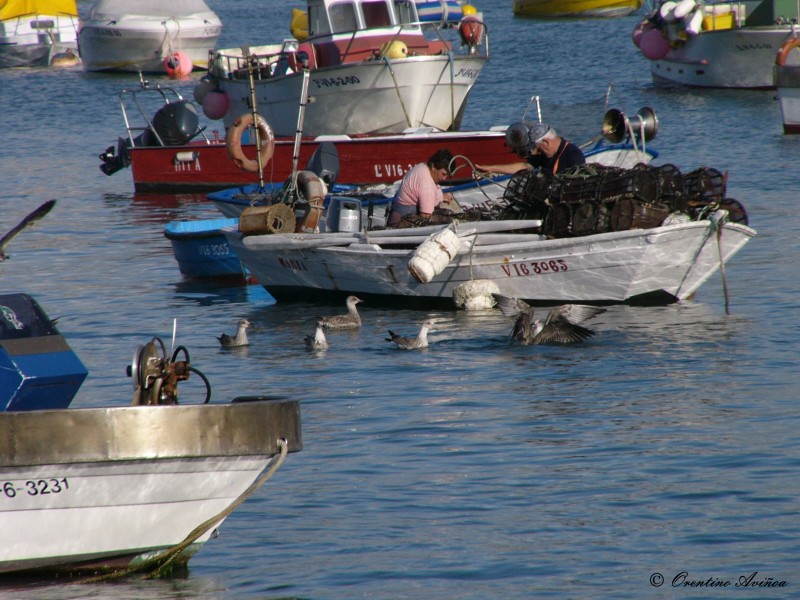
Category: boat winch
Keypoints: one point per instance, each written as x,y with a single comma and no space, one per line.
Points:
156,376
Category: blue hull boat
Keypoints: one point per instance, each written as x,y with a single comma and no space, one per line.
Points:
202,250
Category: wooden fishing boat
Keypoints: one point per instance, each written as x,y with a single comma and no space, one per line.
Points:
92,490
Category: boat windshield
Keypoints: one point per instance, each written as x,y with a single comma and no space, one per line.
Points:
326,18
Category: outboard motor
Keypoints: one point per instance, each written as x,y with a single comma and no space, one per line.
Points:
324,163
174,124
40,370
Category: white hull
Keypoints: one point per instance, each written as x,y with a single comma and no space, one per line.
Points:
24,45
139,43
85,486
729,58
787,80
609,267
364,97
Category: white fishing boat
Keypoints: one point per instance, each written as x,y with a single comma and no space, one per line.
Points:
137,488
718,45
787,81
374,66
117,35
611,236
34,32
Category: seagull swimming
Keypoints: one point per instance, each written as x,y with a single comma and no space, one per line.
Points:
561,326
26,222
412,343
317,341
349,321
240,339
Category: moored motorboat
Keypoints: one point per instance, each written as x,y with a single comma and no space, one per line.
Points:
374,66
719,45
92,490
149,36
575,8
168,151
787,81
33,32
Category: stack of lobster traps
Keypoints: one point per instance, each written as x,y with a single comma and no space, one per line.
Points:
591,198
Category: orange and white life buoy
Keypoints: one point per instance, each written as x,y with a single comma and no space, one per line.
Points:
783,51
312,188
234,142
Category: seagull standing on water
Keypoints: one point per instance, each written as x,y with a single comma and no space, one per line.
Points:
349,321
29,220
412,343
561,326
317,341
240,339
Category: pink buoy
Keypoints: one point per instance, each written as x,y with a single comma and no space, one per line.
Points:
644,26
202,88
178,64
215,104
653,45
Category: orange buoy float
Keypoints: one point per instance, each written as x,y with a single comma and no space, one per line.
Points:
785,49
313,190
471,28
178,64
234,143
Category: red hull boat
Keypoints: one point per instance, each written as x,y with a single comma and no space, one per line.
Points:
363,160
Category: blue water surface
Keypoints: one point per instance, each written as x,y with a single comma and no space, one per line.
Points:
662,451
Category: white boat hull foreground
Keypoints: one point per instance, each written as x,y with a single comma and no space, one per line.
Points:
115,38
671,261
96,488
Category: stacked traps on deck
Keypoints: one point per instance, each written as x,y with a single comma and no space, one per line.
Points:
591,198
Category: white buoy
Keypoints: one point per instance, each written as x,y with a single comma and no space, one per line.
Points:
694,22
433,255
683,8
475,294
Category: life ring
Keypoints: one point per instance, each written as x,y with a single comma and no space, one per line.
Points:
313,190
234,142
786,47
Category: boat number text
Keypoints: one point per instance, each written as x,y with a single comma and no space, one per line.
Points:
534,268
37,487
293,264
383,171
108,32
214,250
468,73
327,82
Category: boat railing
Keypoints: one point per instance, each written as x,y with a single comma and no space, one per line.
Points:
130,99
276,60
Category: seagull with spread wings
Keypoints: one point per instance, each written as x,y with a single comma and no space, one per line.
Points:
561,326
28,221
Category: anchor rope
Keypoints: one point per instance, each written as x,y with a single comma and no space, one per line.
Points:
156,565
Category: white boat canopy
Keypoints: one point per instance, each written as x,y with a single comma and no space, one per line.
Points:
115,9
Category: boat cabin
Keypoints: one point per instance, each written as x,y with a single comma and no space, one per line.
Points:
347,31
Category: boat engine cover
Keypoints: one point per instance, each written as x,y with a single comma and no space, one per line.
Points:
176,123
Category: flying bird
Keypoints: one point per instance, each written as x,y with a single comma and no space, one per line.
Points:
318,340
561,326
351,320
240,339
412,343
26,222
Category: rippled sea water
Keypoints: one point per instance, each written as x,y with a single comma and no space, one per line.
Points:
667,444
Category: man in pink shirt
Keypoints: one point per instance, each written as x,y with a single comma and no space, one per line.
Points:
419,192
